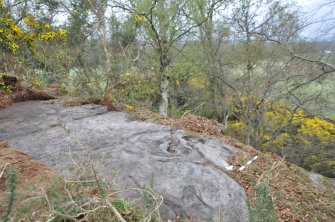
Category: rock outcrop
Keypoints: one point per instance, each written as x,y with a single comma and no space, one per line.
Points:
188,170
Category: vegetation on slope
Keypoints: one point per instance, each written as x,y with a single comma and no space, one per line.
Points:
35,192
294,195
271,184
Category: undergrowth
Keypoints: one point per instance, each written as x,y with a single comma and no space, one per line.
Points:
77,200
262,208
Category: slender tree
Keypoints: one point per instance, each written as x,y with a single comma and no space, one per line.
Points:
165,23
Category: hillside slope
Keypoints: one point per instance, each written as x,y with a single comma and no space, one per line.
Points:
186,170
297,194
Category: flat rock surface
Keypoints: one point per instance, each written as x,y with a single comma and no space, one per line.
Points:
188,170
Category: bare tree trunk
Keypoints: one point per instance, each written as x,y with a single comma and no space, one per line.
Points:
99,11
163,107
249,116
164,61
249,67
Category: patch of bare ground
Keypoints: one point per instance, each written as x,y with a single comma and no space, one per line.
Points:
28,171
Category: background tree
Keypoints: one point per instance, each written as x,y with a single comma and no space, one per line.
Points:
165,24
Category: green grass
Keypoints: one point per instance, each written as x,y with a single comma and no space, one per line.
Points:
328,96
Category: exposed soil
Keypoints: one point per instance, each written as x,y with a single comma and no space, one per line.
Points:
28,170
67,102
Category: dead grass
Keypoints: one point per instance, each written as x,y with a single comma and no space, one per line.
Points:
29,170
193,123
7,99
75,101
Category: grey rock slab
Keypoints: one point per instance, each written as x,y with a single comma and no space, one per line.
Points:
187,169
322,183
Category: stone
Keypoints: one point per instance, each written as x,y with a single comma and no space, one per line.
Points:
187,170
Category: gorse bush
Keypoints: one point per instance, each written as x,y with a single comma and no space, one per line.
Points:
11,183
262,208
5,88
282,130
137,90
12,37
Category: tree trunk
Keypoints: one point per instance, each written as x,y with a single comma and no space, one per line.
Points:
164,60
163,107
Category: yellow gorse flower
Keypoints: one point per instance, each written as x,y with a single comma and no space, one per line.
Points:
317,127
139,18
12,36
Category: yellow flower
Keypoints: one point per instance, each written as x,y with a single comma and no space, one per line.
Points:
198,82
139,18
62,33
266,137
317,127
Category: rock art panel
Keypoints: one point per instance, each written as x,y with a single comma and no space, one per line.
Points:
188,170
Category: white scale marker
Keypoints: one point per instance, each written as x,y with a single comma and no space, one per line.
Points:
231,167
